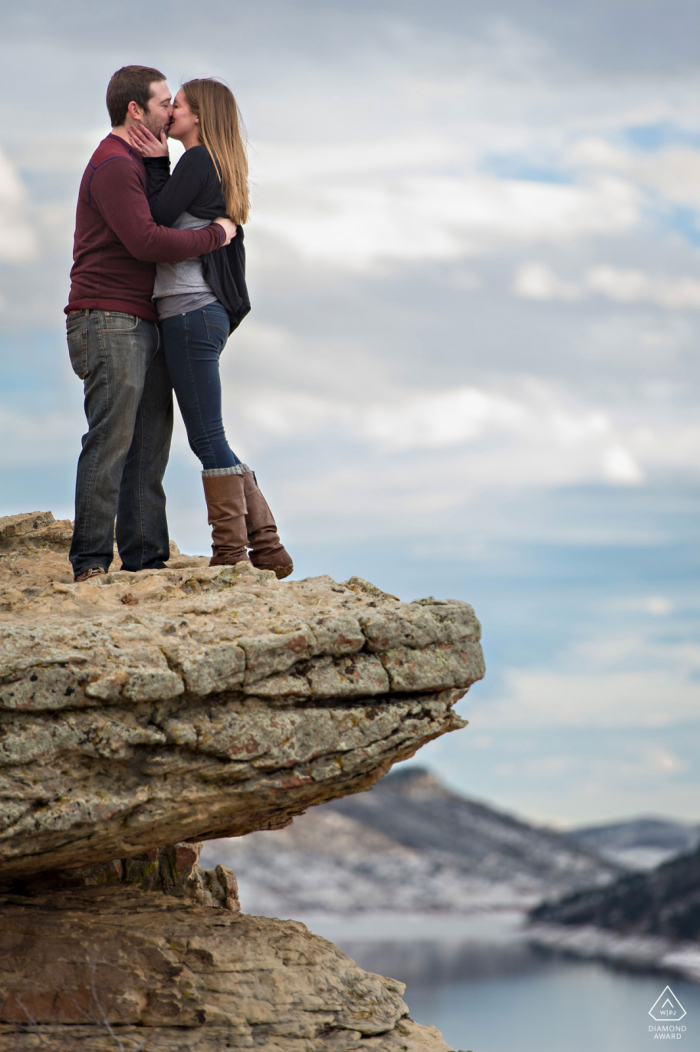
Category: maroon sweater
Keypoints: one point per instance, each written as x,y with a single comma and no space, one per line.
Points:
117,244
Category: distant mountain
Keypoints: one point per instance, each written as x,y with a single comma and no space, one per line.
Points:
413,808
642,843
663,903
408,844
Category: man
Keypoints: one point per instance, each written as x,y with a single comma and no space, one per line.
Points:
113,338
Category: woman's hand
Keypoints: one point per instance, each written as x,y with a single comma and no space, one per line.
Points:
145,142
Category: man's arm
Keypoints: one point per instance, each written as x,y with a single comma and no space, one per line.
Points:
117,192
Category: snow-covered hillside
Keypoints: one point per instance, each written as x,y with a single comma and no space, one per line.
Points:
641,843
408,844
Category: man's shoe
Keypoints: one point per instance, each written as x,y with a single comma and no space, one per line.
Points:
266,551
92,571
226,506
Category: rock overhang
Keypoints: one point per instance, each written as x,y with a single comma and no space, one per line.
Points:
196,701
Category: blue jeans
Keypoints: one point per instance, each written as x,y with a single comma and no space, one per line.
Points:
193,344
129,409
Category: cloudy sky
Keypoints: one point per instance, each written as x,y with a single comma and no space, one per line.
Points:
471,369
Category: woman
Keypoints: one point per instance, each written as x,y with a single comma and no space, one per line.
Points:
201,301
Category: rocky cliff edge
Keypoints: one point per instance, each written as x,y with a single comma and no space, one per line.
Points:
194,702
142,712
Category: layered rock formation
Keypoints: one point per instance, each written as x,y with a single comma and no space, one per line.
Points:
187,703
159,708
101,959
108,968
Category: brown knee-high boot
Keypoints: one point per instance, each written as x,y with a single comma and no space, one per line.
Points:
226,505
266,551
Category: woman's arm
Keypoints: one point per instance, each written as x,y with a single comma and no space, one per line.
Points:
157,178
169,195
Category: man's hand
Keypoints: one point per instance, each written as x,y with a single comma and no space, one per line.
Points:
229,228
145,142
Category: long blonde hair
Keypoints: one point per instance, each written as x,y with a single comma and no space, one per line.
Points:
220,131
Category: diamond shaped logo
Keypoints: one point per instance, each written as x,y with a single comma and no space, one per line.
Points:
667,1007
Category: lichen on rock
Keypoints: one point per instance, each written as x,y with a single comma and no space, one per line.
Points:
141,713
167,975
216,701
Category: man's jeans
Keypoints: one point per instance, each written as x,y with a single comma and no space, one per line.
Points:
129,409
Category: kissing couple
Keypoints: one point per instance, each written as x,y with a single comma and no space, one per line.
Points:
157,287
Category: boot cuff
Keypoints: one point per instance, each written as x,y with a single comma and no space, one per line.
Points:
237,469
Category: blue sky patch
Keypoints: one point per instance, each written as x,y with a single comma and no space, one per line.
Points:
653,137
515,166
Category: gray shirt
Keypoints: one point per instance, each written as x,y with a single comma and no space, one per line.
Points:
180,287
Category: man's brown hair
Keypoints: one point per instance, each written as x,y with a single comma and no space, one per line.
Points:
130,84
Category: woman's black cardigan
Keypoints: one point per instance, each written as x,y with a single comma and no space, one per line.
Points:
195,187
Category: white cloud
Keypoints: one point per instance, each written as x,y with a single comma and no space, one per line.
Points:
442,419
23,434
532,435
18,242
598,699
673,173
65,153
426,421
658,605
605,681
634,286
537,281
664,760
619,466
438,217
300,164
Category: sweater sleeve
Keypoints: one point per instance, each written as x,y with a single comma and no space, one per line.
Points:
117,192
157,176
172,196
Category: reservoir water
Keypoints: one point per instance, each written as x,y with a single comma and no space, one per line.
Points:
562,1006
486,989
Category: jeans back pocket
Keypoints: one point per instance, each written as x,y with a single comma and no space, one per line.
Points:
216,324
